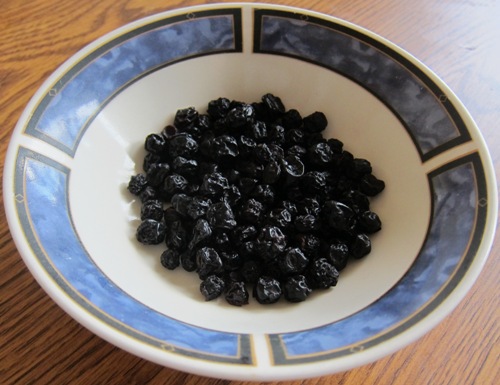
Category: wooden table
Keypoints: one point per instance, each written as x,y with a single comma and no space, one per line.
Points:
458,39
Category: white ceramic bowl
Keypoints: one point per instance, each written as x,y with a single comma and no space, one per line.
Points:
81,138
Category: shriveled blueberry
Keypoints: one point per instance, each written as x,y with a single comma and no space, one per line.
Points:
137,184
267,290
170,259
296,289
321,274
236,293
151,232
208,262
152,209
212,287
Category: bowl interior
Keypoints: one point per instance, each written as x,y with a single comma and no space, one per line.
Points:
112,150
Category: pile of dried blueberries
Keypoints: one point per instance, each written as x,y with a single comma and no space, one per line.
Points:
253,197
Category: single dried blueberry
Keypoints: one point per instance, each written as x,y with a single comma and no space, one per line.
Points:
185,167
296,150
320,154
293,261
371,185
308,206
296,289
182,145
338,254
236,293
270,242
267,290
316,122
157,173
147,194
221,216
294,136
155,143
137,184
369,222
240,116
292,166
176,236
169,259
232,196
263,193
185,117
243,233
339,216
258,131
173,184
335,145
218,108
306,223
152,209
280,217
309,244
214,184
197,207
150,159
231,261
314,182
180,202
360,246
262,153
273,105
151,232
246,145
251,211
188,260
212,287
291,119
224,147
321,274
208,262
276,134
201,233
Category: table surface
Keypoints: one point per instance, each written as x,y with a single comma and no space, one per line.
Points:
458,39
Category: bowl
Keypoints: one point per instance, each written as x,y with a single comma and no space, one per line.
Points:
81,138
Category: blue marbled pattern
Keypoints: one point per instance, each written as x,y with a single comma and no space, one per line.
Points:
50,231
409,98
64,119
455,205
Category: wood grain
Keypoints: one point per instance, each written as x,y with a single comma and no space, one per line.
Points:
40,344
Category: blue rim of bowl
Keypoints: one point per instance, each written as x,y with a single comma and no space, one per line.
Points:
459,188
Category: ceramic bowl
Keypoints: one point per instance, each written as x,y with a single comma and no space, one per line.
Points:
81,138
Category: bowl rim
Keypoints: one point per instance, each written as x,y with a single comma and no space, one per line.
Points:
237,372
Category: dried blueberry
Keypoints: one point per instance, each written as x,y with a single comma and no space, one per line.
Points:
185,117
270,242
321,274
152,209
221,216
137,184
316,122
208,262
296,289
212,287
170,259
151,232
293,261
267,290
236,293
